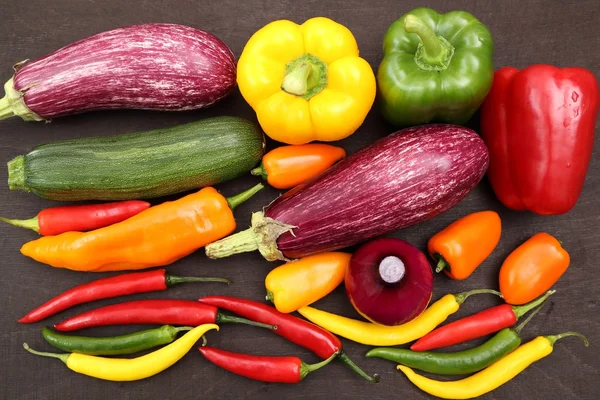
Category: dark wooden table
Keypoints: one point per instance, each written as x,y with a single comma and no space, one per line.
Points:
525,32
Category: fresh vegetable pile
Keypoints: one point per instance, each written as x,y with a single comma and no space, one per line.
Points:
307,84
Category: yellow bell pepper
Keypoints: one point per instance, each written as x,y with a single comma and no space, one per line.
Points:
299,283
306,82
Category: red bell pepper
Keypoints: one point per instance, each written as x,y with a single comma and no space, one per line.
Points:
538,124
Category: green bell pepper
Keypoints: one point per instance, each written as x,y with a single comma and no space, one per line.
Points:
436,68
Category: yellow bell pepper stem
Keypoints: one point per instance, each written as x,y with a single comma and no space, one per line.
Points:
381,335
120,369
305,76
306,82
493,376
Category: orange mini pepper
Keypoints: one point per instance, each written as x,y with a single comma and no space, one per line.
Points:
532,268
463,245
288,166
299,283
155,237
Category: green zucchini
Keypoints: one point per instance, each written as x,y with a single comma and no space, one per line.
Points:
140,165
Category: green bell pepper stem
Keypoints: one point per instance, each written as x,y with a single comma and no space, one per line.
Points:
435,50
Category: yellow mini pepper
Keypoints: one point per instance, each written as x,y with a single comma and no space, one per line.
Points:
306,82
299,283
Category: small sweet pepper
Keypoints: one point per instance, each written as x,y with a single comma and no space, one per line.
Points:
436,68
306,82
300,283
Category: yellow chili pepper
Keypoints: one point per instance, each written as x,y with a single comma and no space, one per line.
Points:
299,283
493,376
120,369
306,82
381,335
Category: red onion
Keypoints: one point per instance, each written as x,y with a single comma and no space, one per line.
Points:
389,281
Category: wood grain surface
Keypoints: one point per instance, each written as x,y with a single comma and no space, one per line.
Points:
525,32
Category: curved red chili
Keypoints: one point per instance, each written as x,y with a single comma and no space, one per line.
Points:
159,312
475,326
120,285
263,368
312,337
80,218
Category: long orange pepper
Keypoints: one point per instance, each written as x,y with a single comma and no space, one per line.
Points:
300,283
463,245
157,236
288,166
532,268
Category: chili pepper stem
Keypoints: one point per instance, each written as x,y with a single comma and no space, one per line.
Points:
519,328
461,297
31,223
62,357
260,171
524,309
175,280
238,199
306,369
231,319
183,328
553,338
348,361
442,264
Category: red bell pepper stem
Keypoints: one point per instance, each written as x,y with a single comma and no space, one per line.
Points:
263,368
79,218
154,312
106,288
475,326
312,337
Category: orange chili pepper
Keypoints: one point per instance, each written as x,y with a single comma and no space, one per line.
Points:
297,284
463,245
289,166
532,268
157,236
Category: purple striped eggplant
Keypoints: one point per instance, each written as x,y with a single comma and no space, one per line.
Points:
163,67
407,177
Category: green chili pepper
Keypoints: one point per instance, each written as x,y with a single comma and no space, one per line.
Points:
461,362
115,345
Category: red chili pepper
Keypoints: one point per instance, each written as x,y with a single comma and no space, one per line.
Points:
538,124
80,218
475,326
155,312
263,368
312,337
106,288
